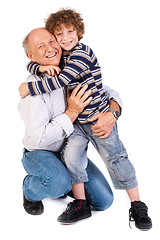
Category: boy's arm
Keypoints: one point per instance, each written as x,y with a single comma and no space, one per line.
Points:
33,67
73,68
36,68
45,131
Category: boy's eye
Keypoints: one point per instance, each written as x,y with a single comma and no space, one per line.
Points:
59,34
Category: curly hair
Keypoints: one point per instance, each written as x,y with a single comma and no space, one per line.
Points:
67,17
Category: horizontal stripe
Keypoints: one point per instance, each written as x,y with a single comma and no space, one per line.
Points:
80,66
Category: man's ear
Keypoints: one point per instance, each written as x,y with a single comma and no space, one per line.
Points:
29,55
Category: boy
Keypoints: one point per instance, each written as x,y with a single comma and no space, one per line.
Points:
81,65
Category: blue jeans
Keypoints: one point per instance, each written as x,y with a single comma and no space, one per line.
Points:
49,178
111,149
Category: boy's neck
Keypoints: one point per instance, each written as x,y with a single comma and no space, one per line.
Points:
67,52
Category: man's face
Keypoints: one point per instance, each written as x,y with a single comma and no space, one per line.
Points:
44,48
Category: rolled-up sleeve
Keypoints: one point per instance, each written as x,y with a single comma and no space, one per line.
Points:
64,121
112,94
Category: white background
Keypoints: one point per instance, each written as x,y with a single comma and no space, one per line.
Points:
125,35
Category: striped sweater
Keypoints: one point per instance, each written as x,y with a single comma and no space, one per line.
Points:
81,66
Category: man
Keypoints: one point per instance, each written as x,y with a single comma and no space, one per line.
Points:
48,123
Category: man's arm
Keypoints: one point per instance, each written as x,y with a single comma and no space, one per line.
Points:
45,131
106,121
77,101
114,95
41,130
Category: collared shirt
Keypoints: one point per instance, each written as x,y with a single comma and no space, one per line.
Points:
46,124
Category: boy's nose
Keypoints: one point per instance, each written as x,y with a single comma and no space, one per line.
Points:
65,36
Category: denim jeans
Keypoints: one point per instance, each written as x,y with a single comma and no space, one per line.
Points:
48,178
111,150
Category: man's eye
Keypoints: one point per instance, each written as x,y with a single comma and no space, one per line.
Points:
41,46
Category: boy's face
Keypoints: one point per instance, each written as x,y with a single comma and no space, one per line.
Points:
67,37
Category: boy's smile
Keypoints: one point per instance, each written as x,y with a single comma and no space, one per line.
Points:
67,37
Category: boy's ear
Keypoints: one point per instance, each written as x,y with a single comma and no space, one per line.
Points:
29,55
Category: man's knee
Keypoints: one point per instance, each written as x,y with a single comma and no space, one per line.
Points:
105,202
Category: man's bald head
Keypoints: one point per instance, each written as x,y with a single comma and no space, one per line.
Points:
27,39
41,46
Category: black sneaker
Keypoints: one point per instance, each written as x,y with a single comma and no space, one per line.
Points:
139,213
33,208
75,211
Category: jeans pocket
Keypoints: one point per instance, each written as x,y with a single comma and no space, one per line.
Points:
122,167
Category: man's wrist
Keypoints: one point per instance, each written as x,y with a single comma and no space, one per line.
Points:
71,114
116,114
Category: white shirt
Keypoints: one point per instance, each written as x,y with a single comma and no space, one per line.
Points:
46,124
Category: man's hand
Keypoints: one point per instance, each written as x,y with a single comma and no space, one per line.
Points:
104,124
23,90
50,70
105,121
77,101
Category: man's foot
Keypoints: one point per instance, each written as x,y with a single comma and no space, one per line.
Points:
75,211
139,213
33,208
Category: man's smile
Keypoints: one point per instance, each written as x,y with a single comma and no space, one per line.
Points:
51,56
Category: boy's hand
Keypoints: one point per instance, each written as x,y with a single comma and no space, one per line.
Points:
23,90
50,70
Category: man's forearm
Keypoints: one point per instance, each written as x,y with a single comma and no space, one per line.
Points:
71,114
114,106
113,95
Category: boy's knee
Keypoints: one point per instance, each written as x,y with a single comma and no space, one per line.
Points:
121,167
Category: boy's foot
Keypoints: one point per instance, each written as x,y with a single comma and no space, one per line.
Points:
33,208
139,213
75,211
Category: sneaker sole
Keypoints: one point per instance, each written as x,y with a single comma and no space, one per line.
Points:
143,229
73,221
34,213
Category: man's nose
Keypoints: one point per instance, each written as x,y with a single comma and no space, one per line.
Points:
49,48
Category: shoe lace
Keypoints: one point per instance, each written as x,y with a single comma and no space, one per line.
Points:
142,212
71,207
130,217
